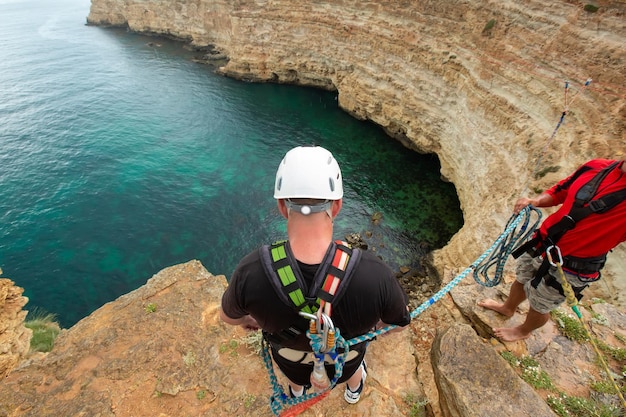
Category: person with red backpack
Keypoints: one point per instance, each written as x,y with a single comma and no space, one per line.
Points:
310,273
590,222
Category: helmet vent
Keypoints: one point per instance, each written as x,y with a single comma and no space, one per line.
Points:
279,183
331,183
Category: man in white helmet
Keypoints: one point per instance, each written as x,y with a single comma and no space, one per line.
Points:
309,194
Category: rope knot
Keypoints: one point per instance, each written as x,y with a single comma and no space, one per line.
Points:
316,340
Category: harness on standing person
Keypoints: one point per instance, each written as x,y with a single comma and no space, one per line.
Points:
313,302
328,285
583,206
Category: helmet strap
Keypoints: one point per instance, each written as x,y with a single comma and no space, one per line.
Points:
307,209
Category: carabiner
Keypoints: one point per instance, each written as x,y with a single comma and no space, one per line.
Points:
327,327
549,255
323,327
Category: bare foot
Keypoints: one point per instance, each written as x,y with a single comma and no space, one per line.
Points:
510,334
495,306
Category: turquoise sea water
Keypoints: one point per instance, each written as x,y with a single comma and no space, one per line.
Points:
119,156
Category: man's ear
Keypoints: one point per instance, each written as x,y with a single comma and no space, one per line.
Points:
282,207
336,207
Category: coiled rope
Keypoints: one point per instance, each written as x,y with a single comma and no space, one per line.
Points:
294,406
500,254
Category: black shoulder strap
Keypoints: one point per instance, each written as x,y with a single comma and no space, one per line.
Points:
283,272
329,283
587,191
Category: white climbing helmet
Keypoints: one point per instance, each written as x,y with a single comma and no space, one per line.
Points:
308,172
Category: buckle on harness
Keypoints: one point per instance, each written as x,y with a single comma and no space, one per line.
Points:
597,206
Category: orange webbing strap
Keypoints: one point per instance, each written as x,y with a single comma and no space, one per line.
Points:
335,275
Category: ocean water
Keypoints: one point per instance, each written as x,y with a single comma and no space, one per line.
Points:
120,156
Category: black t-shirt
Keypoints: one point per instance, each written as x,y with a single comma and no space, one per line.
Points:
373,294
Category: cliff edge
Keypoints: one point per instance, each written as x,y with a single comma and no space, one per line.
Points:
162,350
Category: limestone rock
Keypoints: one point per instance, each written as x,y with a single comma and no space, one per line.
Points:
492,389
572,366
14,337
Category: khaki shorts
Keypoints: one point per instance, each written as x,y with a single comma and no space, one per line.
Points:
544,298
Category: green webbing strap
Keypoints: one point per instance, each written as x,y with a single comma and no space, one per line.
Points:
287,276
327,286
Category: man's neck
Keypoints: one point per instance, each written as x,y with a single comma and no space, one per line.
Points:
309,237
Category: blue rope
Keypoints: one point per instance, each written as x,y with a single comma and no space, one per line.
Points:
503,245
511,225
501,252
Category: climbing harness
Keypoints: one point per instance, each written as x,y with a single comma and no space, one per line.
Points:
315,304
583,206
553,258
325,340
329,283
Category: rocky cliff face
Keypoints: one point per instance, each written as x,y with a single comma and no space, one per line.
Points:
481,84
14,337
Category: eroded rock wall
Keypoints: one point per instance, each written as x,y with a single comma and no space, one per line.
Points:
482,84
14,337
